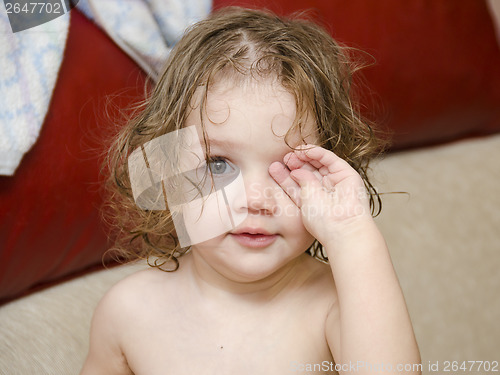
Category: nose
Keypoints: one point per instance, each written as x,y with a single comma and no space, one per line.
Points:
261,191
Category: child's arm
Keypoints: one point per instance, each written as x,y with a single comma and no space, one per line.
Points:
370,326
105,355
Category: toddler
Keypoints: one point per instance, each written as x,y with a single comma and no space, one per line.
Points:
243,183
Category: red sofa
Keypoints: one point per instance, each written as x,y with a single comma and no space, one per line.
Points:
50,226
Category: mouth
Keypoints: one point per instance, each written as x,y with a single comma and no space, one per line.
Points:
254,237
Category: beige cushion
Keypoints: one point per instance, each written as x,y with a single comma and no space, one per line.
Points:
47,333
444,238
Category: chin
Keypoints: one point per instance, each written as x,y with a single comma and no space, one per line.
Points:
243,264
249,269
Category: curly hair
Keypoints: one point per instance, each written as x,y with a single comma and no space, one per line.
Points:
237,42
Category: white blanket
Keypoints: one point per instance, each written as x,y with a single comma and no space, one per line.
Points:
146,29
30,59
29,63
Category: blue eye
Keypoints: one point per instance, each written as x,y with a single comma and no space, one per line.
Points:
219,166
216,174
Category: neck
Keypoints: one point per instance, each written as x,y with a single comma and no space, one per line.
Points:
210,283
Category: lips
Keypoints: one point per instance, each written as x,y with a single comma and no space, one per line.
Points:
252,230
253,237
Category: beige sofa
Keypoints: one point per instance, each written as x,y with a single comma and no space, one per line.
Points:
444,237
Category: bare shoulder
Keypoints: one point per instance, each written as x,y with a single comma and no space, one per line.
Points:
323,289
135,296
324,284
114,313
123,296
321,279
139,283
314,286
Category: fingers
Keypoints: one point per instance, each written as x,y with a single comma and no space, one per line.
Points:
325,162
293,162
320,157
312,166
281,174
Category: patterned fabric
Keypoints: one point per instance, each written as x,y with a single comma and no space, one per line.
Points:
30,59
29,63
146,29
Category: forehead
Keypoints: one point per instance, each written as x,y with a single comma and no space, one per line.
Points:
251,110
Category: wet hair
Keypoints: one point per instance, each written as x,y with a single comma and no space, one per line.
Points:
236,43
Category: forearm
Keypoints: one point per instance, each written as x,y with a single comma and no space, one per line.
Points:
375,327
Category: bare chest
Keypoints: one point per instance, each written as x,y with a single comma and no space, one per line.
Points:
279,342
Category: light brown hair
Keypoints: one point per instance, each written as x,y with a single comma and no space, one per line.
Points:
233,42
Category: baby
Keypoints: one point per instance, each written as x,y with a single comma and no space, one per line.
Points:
243,182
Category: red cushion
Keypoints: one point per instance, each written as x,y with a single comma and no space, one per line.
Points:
436,76
49,210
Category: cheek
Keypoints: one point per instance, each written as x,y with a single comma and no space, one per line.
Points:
286,210
290,218
292,226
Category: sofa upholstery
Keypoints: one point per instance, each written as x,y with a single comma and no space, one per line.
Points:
50,226
434,86
434,74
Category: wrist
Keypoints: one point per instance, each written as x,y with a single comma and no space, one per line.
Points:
352,233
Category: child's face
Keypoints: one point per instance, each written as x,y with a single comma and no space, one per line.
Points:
245,124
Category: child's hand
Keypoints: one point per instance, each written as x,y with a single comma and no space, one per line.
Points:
329,192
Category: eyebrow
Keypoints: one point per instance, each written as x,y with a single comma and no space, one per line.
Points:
226,145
